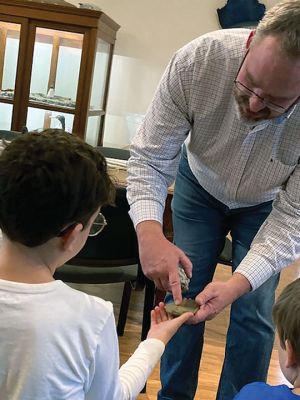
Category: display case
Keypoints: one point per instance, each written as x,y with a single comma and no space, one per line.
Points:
55,63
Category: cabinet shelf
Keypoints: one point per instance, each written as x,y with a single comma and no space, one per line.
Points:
60,49
94,113
7,101
47,106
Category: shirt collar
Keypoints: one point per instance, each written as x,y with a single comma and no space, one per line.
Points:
279,120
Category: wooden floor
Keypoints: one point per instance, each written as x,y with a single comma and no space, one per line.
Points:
215,334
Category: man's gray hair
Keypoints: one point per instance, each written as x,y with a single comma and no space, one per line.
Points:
283,21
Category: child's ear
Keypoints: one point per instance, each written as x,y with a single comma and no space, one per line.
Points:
69,238
291,360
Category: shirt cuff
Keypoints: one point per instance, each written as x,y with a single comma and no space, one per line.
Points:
256,269
144,210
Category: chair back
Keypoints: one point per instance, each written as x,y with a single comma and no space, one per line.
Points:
113,152
117,244
9,135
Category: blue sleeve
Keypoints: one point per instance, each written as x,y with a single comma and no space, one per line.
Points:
243,394
256,390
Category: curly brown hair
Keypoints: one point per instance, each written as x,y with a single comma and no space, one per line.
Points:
286,316
49,180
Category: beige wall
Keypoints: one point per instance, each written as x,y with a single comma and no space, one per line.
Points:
151,31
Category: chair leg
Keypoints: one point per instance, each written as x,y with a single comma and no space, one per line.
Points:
159,296
140,279
148,305
124,308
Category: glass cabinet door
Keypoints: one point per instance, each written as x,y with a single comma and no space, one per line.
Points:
38,118
9,50
96,106
99,75
54,79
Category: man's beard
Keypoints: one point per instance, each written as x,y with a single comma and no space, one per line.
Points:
245,115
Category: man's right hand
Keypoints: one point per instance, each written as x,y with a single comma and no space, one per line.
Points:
160,258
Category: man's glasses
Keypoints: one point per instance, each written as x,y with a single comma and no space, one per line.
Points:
98,225
249,93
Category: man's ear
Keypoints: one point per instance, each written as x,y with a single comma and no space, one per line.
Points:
291,360
68,240
250,38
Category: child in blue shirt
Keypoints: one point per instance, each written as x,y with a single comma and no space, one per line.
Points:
286,316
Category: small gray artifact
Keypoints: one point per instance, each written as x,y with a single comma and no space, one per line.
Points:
187,305
184,280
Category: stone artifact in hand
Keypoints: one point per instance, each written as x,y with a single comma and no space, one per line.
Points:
187,305
184,280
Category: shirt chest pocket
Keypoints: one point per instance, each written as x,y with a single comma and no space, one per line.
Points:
274,174
286,156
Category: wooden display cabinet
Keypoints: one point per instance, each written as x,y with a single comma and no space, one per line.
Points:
55,63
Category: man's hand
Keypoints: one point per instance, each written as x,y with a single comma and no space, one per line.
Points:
217,295
160,258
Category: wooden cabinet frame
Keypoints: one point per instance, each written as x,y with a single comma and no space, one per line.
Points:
92,24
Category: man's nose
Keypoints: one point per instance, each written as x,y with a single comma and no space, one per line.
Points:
256,104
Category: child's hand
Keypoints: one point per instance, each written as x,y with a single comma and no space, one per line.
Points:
163,326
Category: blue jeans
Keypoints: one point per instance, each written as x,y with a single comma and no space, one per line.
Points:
201,224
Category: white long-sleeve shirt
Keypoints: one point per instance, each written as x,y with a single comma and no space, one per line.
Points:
57,343
238,163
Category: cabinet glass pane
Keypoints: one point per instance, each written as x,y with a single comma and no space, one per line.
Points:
99,75
55,67
92,130
43,119
5,116
9,49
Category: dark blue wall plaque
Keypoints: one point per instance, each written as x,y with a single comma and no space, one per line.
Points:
241,13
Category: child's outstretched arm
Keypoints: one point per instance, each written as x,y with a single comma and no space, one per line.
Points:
127,382
134,373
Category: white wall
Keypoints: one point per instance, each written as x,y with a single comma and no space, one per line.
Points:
151,31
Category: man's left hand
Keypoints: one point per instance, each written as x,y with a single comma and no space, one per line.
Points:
217,295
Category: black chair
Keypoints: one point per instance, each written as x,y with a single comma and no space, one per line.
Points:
9,135
112,152
113,256
226,254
